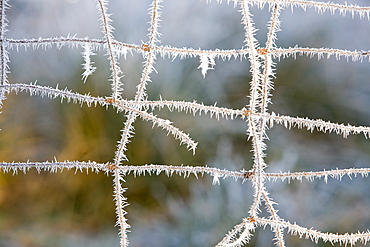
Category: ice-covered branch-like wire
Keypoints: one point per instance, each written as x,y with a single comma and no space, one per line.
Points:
113,59
4,5
185,52
136,170
239,235
149,55
185,171
52,93
315,235
58,42
268,64
127,133
182,53
4,55
320,53
162,50
278,230
310,176
121,203
320,7
52,166
318,124
187,107
252,44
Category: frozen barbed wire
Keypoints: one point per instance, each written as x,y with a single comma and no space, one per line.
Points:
262,68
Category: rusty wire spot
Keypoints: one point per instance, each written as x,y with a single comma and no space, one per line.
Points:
110,100
111,166
262,51
246,112
248,175
251,219
145,47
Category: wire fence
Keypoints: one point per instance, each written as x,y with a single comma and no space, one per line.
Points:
263,59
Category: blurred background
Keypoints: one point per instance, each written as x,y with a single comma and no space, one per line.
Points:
76,209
